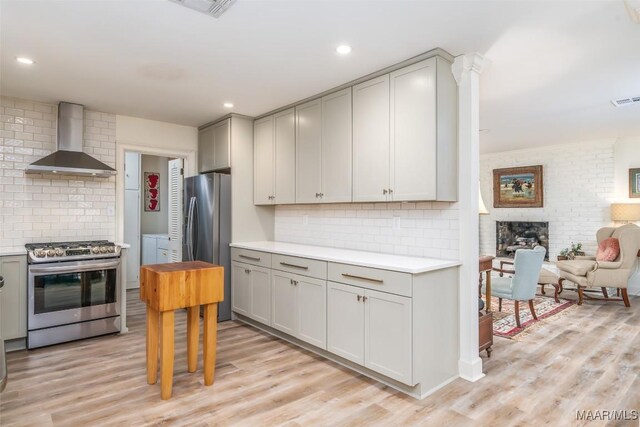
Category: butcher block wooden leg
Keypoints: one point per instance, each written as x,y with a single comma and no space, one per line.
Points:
210,337
166,344
193,336
152,345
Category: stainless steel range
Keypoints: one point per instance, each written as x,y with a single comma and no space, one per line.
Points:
73,291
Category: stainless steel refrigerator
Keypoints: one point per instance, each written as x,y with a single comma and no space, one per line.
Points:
207,227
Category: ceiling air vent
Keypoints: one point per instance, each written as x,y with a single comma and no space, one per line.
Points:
623,102
213,8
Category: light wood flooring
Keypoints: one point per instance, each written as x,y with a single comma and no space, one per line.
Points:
588,360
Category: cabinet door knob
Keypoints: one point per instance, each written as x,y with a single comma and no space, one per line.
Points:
384,191
359,297
246,270
390,191
364,299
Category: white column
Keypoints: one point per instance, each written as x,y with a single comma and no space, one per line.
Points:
466,70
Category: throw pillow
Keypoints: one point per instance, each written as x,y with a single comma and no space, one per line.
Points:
608,250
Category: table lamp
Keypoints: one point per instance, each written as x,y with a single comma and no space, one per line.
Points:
625,212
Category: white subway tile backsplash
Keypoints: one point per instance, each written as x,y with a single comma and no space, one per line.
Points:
395,228
44,207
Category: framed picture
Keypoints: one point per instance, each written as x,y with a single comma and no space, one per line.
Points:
634,183
152,192
519,187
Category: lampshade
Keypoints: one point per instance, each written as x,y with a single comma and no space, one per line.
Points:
481,207
625,211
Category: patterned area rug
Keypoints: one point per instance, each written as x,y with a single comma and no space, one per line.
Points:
547,310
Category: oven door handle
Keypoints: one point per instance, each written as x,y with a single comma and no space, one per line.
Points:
74,268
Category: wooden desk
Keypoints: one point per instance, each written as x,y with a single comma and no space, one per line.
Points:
486,265
167,287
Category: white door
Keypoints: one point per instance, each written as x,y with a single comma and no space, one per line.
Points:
205,150
131,171
221,145
240,288
176,212
263,162
413,132
388,335
311,308
285,156
284,302
309,152
131,226
371,140
345,321
260,295
336,147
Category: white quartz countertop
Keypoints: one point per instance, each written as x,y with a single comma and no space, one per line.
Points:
16,250
406,264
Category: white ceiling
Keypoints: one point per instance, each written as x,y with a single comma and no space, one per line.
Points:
555,65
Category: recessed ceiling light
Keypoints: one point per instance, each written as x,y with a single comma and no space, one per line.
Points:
343,49
24,60
228,105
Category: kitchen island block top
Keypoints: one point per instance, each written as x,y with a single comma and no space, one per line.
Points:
181,284
406,264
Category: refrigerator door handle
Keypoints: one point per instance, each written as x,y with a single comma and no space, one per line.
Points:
189,235
194,229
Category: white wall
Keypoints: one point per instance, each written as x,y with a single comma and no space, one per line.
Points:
626,156
156,222
578,191
151,137
427,229
580,183
46,207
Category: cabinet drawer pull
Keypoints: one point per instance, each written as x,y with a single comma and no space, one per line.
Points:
252,258
351,276
286,264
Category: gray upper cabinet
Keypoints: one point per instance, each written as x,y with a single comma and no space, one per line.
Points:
214,147
371,140
309,152
423,133
391,138
263,162
323,149
336,147
275,161
285,156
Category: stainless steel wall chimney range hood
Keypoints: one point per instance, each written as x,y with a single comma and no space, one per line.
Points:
69,159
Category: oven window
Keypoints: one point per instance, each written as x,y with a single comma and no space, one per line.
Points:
56,292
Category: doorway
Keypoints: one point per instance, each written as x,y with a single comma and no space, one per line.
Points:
152,219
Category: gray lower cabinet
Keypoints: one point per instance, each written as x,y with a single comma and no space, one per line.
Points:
13,297
251,291
401,327
299,307
345,321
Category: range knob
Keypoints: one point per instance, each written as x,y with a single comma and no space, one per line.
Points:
59,252
103,249
51,252
112,249
95,250
39,253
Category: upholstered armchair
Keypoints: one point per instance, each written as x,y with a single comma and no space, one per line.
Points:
586,272
523,284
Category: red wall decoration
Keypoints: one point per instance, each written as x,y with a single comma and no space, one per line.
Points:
152,192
